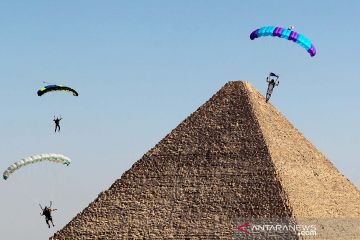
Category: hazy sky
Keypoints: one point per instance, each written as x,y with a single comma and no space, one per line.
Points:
140,68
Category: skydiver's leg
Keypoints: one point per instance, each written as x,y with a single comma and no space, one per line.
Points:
47,222
267,97
269,90
52,222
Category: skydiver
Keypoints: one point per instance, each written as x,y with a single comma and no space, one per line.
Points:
46,211
273,81
57,123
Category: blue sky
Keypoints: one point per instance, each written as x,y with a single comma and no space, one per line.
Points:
141,67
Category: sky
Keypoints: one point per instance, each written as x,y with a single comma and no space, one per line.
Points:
141,67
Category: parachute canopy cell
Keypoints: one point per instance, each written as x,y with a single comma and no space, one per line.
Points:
286,34
51,157
50,88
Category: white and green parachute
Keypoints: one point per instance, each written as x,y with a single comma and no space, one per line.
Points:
51,157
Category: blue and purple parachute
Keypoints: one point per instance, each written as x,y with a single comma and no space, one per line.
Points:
287,34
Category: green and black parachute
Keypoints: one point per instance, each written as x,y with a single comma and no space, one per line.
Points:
51,88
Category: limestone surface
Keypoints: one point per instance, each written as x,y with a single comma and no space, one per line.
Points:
236,160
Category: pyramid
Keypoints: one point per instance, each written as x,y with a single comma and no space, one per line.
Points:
230,168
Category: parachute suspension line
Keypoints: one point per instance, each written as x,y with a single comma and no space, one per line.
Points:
52,182
49,83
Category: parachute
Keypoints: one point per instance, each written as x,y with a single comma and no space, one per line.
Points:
287,34
50,88
52,157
